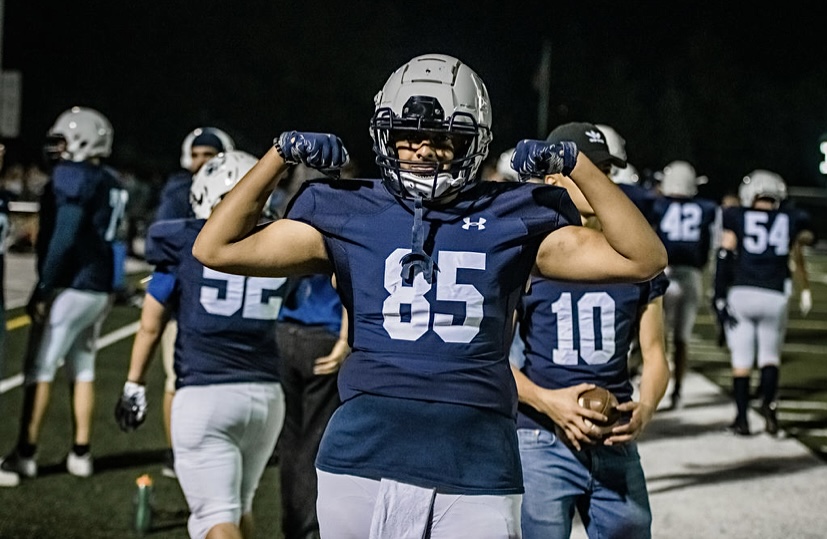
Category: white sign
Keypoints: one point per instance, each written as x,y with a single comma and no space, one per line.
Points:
11,84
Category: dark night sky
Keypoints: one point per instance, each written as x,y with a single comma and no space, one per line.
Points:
725,89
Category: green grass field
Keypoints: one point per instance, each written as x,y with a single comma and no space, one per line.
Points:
57,504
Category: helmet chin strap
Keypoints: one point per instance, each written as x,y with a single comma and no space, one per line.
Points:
418,261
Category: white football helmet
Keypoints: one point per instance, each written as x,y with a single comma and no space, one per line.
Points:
680,180
762,184
504,166
617,148
439,95
186,147
86,132
216,178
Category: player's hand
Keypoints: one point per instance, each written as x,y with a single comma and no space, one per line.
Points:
626,432
805,303
538,158
39,304
725,318
330,363
130,411
322,151
562,406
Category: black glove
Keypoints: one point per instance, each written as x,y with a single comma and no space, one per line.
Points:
130,411
725,319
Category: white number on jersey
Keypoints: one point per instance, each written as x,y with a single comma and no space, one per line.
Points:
242,292
682,221
757,238
117,200
592,351
447,289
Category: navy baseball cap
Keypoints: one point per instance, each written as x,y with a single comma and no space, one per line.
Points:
207,138
589,139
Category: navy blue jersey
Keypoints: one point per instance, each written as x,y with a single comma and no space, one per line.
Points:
175,197
226,322
685,226
81,211
641,197
581,333
765,238
446,341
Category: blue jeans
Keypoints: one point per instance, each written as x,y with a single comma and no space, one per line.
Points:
604,483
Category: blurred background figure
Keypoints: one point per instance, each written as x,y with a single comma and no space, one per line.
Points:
80,212
686,224
753,285
198,147
7,478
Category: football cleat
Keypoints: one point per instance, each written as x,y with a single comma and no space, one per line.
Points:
770,412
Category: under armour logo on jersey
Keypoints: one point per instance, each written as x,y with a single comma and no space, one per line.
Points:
595,136
469,223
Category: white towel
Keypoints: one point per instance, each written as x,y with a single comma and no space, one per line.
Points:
401,511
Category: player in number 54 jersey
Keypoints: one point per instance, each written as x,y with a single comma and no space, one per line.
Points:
753,285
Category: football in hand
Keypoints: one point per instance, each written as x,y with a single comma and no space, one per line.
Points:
600,400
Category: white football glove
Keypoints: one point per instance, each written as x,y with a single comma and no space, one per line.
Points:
806,302
130,411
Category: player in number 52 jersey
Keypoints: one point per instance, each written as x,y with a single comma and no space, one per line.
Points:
753,285
228,407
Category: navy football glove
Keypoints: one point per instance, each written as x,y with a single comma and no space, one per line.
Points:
538,158
130,411
725,319
322,151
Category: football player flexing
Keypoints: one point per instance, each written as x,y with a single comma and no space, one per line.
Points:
198,147
228,408
80,211
430,305
577,336
686,224
753,285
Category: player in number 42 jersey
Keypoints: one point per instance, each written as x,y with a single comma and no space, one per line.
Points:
753,284
685,223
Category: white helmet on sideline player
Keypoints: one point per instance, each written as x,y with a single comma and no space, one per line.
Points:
504,166
226,143
216,178
436,95
762,184
617,148
680,180
86,132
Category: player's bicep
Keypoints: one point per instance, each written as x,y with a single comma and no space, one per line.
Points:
577,253
280,249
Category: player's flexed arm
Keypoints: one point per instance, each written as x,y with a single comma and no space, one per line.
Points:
627,249
230,241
